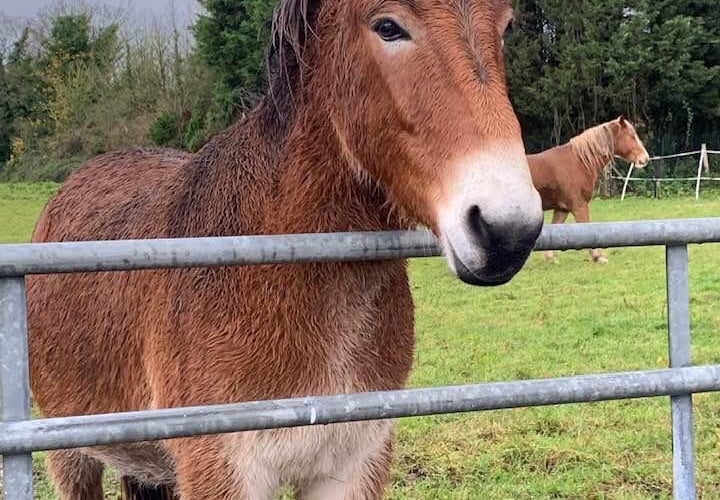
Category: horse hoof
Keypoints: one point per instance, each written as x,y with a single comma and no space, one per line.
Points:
601,260
550,258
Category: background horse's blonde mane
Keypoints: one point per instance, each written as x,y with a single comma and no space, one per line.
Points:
595,145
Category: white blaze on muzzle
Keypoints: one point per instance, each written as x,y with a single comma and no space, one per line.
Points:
490,216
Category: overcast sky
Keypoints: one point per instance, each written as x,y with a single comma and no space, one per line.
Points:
24,9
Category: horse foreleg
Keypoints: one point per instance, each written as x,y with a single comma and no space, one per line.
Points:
75,475
365,480
207,469
582,215
559,217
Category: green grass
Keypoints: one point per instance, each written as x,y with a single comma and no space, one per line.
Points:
569,318
20,205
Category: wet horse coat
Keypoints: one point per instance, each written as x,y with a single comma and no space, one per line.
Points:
353,135
566,176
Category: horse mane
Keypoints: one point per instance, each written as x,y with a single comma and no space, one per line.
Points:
292,26
595,145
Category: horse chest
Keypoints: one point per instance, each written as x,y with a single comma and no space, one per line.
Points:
339,352
355,335
302,455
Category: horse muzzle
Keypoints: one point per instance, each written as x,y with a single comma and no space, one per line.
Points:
492,217
642,163
482,254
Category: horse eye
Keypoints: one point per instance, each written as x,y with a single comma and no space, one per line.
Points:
390,31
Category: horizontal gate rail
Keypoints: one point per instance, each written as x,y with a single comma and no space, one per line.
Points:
46,258
91,430
20,436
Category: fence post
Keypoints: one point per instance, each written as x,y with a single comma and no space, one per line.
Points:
702,164
627,181
14,383
679,346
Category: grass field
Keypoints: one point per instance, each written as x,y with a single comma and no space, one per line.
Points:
552,320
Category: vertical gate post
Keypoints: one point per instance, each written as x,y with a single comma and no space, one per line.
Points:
678,291
14,382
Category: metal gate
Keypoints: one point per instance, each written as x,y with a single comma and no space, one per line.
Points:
20,436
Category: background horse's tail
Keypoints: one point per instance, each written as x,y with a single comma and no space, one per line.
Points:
133,490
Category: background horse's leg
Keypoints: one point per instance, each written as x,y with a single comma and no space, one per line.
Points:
559,217
582,215
75,475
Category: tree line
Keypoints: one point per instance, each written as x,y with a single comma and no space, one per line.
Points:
77,83
575,63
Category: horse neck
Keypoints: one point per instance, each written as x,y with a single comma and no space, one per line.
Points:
319,191
599,163
595,166
248,182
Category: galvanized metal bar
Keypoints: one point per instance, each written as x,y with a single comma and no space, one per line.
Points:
14,384
17,260
678,292
72,432
212,252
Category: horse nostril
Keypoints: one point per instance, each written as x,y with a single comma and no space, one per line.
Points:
507,237
481,231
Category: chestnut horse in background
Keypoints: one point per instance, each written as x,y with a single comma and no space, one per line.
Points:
566,175
380,115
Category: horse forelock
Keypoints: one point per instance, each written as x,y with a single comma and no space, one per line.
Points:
595,145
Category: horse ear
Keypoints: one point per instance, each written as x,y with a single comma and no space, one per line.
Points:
621,120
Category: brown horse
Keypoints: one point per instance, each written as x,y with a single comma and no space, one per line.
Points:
566,175
380,115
